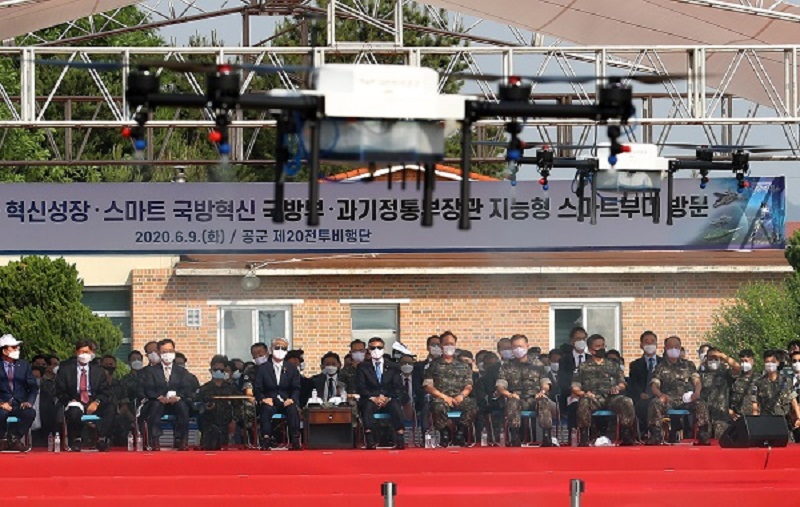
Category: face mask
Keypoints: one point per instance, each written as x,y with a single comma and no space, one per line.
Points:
436,351
480,366
153,357
358,355
580,345
702,356
746,367
260,360
279,354
84,358
449,350
376,353
673,353
649,349
302,366
218,374
796,367
167,358
519,352
137,365
600,354
331,370
14,354
506,354
771,367
407,368
554,367
713,365
110,369
55,370
237,375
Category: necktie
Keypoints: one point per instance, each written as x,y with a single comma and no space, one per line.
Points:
580,359
651,364
10,374
378,371
84,387
167,373
407,384
331,388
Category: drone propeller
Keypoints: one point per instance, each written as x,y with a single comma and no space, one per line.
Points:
178,66
516,78
724,148
526,145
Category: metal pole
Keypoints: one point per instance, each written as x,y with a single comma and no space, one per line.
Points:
575,490
466,154
313,174
388,490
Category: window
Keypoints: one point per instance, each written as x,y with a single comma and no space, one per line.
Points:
368,321
114,303
602,318
241,327
193,317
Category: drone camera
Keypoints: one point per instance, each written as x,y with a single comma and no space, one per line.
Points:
140,85
515,90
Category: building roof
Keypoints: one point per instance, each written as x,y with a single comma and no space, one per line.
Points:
442,172
486,263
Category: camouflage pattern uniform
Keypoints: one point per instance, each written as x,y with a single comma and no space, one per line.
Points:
673,380
526,380
716,393
450,379
775,397
488,404
347,376
214,421
599,378
741,398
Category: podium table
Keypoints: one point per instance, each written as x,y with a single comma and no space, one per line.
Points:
329,427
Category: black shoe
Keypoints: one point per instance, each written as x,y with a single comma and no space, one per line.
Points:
444,439
3,445
75,445
295,445
703,438
16,445
266,443
583,437
655,437
103,445
460,440
399,441
514,438
370,440
673,437
547,438
626,438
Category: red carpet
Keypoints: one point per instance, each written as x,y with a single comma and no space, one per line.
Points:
679,476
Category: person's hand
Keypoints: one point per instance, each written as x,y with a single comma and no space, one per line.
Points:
644,396
541,394
733,414
695,396
210,406
267,401
664,399
6,406
614,390
756,411
376,400
92,408
458,399
25,404
797,423
163,399
288,403
589,394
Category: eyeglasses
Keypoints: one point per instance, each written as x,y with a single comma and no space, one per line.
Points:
376,347
280,347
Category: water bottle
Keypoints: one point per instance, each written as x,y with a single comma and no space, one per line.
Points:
502,438
130,441
313,394
573,437
139,443
429,440
50,442
57,443
484,438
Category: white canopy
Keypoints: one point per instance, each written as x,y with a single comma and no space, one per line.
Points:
18,17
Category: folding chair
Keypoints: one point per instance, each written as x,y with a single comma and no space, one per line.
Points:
669,420
28,440
608,414
164,419
528,417
85,418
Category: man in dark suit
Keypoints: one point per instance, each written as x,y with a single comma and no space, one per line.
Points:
18,391
422,399
567,367
380,387
169,389
82,388
641,373
327,383
277,391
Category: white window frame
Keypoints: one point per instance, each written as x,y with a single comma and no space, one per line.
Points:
254,309
582,304
376,304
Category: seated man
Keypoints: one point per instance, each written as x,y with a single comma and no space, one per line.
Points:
18,392
82,388
380,388
277,390
296,358
327,382
598,385
775,395
524,385
676,385
169,389
449,382
217,421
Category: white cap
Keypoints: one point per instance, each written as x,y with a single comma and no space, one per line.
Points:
399,347
8,340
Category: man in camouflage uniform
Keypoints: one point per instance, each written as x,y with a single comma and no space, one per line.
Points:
489,404
741,399
717,379
449,382
525,386
775,394
672,379
218,416
599,384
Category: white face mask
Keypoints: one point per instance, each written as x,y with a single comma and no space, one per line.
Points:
580,345
407,368
519,352
260,360
236,375
554,367
137,365
167,358
302,366
436,351
771,367
14,354
713,365
702,356
673,353
506,354
358,356
449,350
279,354
84,358
153,357
746,367
796,367
376,354
649,349
55,370
331,370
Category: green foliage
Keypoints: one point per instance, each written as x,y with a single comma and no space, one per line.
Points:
761,316
792,252
40,303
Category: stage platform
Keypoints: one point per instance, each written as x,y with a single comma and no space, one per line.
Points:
669,476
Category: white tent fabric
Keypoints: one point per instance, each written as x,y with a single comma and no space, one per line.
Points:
649,23
18,17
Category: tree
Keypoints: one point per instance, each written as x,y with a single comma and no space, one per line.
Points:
40,304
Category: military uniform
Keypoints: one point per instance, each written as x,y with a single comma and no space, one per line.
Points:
488,404
716,393
742,390
774,397
214,421
347,376
674,380
450,379
526,380
599,378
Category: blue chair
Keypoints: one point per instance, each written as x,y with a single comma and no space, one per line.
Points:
529,417
28,441
85,418
672,417
169,419
608,414
382,416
